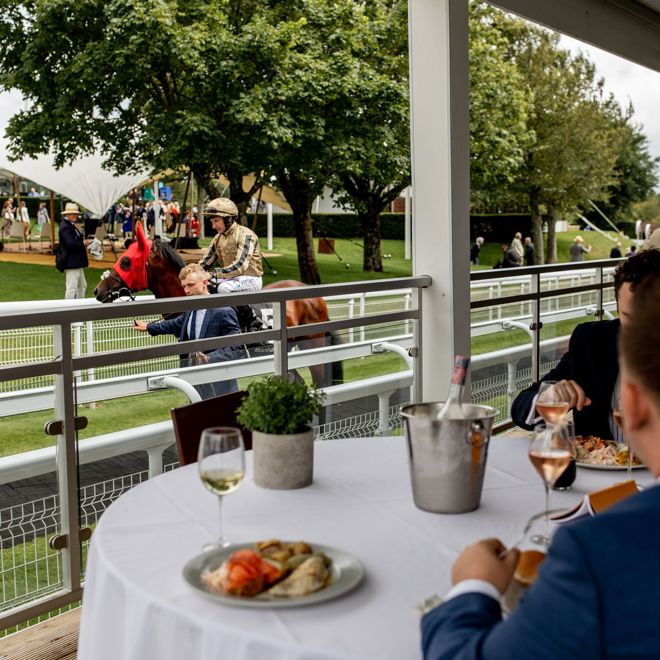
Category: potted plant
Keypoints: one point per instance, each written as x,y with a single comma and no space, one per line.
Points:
279,412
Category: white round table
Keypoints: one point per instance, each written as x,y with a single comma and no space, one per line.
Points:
137,605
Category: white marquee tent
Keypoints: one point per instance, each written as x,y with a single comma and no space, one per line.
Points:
84,181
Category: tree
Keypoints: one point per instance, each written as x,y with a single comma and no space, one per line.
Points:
500,105
635,171
577,129
372,166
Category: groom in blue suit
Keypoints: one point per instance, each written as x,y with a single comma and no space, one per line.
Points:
201,324
598,590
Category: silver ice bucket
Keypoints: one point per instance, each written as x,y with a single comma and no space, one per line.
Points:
447,457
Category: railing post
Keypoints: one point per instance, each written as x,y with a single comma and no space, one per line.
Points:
363,300
67,472
281,351
416,390
155,455
535,286
511,388
351,313
384,412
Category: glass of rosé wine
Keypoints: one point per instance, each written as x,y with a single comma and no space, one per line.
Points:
552,404
550,453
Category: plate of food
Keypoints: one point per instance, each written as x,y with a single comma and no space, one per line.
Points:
274,573
598,454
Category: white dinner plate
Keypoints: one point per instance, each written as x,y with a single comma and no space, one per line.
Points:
346,572
597,466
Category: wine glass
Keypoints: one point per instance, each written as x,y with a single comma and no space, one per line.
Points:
567,477
221,461
617,416
550,453
551,404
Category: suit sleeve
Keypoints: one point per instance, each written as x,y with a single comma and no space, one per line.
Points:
558,617
564,370
166,326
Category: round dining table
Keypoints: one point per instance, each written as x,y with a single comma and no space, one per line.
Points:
138,606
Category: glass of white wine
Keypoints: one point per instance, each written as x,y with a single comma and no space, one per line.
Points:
221,461
551,404
550,454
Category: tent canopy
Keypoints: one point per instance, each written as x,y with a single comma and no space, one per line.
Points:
84,180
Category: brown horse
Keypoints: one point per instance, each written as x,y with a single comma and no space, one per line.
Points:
155,266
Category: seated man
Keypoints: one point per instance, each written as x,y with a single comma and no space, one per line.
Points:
200,324
596,593
588,372
235,248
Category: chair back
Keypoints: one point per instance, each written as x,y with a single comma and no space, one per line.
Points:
190,420
44,234
18,231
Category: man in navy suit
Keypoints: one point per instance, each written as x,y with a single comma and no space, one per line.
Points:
200,324
597,592
588,373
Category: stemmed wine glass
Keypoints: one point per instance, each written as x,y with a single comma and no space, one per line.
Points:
551,403
221,461
550,454
617,416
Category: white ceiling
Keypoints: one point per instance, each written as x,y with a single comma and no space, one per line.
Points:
628,28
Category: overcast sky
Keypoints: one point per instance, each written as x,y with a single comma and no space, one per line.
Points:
627,81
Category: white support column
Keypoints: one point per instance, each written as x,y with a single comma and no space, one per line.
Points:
269,226
407,223
440,170
158,227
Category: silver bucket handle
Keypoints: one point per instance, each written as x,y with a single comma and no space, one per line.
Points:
476,435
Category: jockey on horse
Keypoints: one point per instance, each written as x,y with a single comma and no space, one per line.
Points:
235,248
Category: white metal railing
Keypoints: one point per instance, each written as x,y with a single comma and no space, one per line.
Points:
63,366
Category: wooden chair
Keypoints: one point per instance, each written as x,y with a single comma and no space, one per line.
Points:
18,231
44,235
190,420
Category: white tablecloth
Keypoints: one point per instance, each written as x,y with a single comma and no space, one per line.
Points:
137,605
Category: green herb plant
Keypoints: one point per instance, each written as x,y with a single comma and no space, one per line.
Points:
278,406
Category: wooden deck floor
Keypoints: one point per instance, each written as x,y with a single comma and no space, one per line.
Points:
54,639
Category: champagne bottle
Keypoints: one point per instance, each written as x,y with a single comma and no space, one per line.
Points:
453,406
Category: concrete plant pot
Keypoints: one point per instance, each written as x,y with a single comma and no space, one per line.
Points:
283,462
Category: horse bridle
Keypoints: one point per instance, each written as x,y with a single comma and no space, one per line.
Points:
122,291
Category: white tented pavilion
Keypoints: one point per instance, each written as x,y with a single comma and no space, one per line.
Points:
85,181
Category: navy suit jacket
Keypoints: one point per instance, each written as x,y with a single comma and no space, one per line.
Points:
596,596
72,245
592,362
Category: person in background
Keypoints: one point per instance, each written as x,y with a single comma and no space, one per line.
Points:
235,249
201,324
631,251
510,258
578,250
42,214
615,252
475,250
74,249
582,605
517,245
7,218
587,373
23,215
33,193
529,251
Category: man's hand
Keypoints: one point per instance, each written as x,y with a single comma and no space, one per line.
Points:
140,325
566,390
481,562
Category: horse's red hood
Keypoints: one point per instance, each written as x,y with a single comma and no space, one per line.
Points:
132,266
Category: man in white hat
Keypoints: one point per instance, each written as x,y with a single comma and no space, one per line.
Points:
578,249
235,249
73,248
